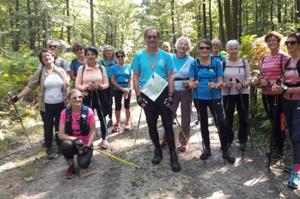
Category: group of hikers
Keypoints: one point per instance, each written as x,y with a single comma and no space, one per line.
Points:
161,81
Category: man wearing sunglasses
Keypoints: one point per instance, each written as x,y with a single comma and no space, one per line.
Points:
153,84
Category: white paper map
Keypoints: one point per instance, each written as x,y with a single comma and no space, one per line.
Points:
154,86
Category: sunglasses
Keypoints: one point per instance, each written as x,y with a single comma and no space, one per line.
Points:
52,46
78,49
77,97
120,56
202,48
290,43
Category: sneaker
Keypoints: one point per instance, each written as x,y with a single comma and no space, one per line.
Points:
109,123
157,156
182,147
228,158
50,154
70,172
293,180
205,155
174,162
104,144
116,128
288,168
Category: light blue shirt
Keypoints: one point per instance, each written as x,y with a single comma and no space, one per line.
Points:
205,74
108,64
162,62
122,74
181,71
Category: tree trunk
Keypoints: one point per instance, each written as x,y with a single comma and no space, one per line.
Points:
30,27
204,18
173,21
221,27
271,15
198,17
228,19
16,40
92,22
256,16
279,11
240,18
210,20
68,27
235,22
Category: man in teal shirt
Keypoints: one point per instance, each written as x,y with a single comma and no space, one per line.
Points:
147,64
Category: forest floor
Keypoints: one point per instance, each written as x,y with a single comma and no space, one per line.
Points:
23,176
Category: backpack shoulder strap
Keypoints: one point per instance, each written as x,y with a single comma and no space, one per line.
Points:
224,65
281,62
84,111
68,112
82,72
287,63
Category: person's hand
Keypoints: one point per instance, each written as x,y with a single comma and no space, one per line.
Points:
277,89
78,144
212,85
125,90
228,84
141,101
263,82
12,99
191,84
169,100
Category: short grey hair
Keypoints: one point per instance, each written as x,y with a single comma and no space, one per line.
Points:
232,42
180,39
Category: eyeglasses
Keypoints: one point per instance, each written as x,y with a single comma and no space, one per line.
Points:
152,37
119,56
77,97
204,47
52,46
78,49
290,43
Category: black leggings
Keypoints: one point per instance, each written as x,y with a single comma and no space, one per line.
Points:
241,103
215,107
279,136
152,110
50,119
92,101
118,100
68,149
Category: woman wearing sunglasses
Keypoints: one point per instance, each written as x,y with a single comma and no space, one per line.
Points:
271,67
206,78
77,131
121,81
290,89
78,50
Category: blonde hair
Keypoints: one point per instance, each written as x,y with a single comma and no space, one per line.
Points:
72,91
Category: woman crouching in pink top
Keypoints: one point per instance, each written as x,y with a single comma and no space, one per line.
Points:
77,131
290,89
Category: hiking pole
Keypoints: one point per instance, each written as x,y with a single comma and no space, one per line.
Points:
229,89
138,127
19,118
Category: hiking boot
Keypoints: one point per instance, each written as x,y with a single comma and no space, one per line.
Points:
228,157
288,168
205,155
242,147
174,162
50,154
157,156
70,172
293,180
182,147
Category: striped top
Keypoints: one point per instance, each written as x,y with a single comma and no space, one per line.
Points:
292,80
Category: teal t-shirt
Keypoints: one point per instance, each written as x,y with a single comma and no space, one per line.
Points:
178,62
122,74
205,74
162,63
220,57
108,64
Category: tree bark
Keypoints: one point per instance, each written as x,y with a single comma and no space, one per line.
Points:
279,11
30,27
92,22
221,21
210,20
228,19
16,40
240,18
173,21
235,22
204,18
271,14
68,27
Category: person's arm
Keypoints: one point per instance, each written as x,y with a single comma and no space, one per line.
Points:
136,83
170,82
116,85
78,81
247,81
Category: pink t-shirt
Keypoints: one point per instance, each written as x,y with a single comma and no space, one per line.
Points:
76,124
291,77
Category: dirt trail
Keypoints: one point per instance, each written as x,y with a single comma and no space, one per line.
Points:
106,178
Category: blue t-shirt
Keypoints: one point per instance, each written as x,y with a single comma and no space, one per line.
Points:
108,64
205,74
178,62
74,66
220,57
142,63
122,74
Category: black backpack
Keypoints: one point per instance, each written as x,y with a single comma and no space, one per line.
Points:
297,66
84,127
243,66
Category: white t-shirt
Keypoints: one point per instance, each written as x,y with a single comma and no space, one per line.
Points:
53,86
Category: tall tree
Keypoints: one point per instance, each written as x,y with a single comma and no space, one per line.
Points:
92,22
204,18
210,20
235,22
173,21
68,26
240,18
228,19
221,21
16,41
30,27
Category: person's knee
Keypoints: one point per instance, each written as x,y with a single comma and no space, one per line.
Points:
84,160
67,147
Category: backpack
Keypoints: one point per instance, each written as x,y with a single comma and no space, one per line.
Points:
297,66
244,66
84,127
198,66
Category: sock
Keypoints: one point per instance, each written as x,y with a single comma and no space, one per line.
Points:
296,167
